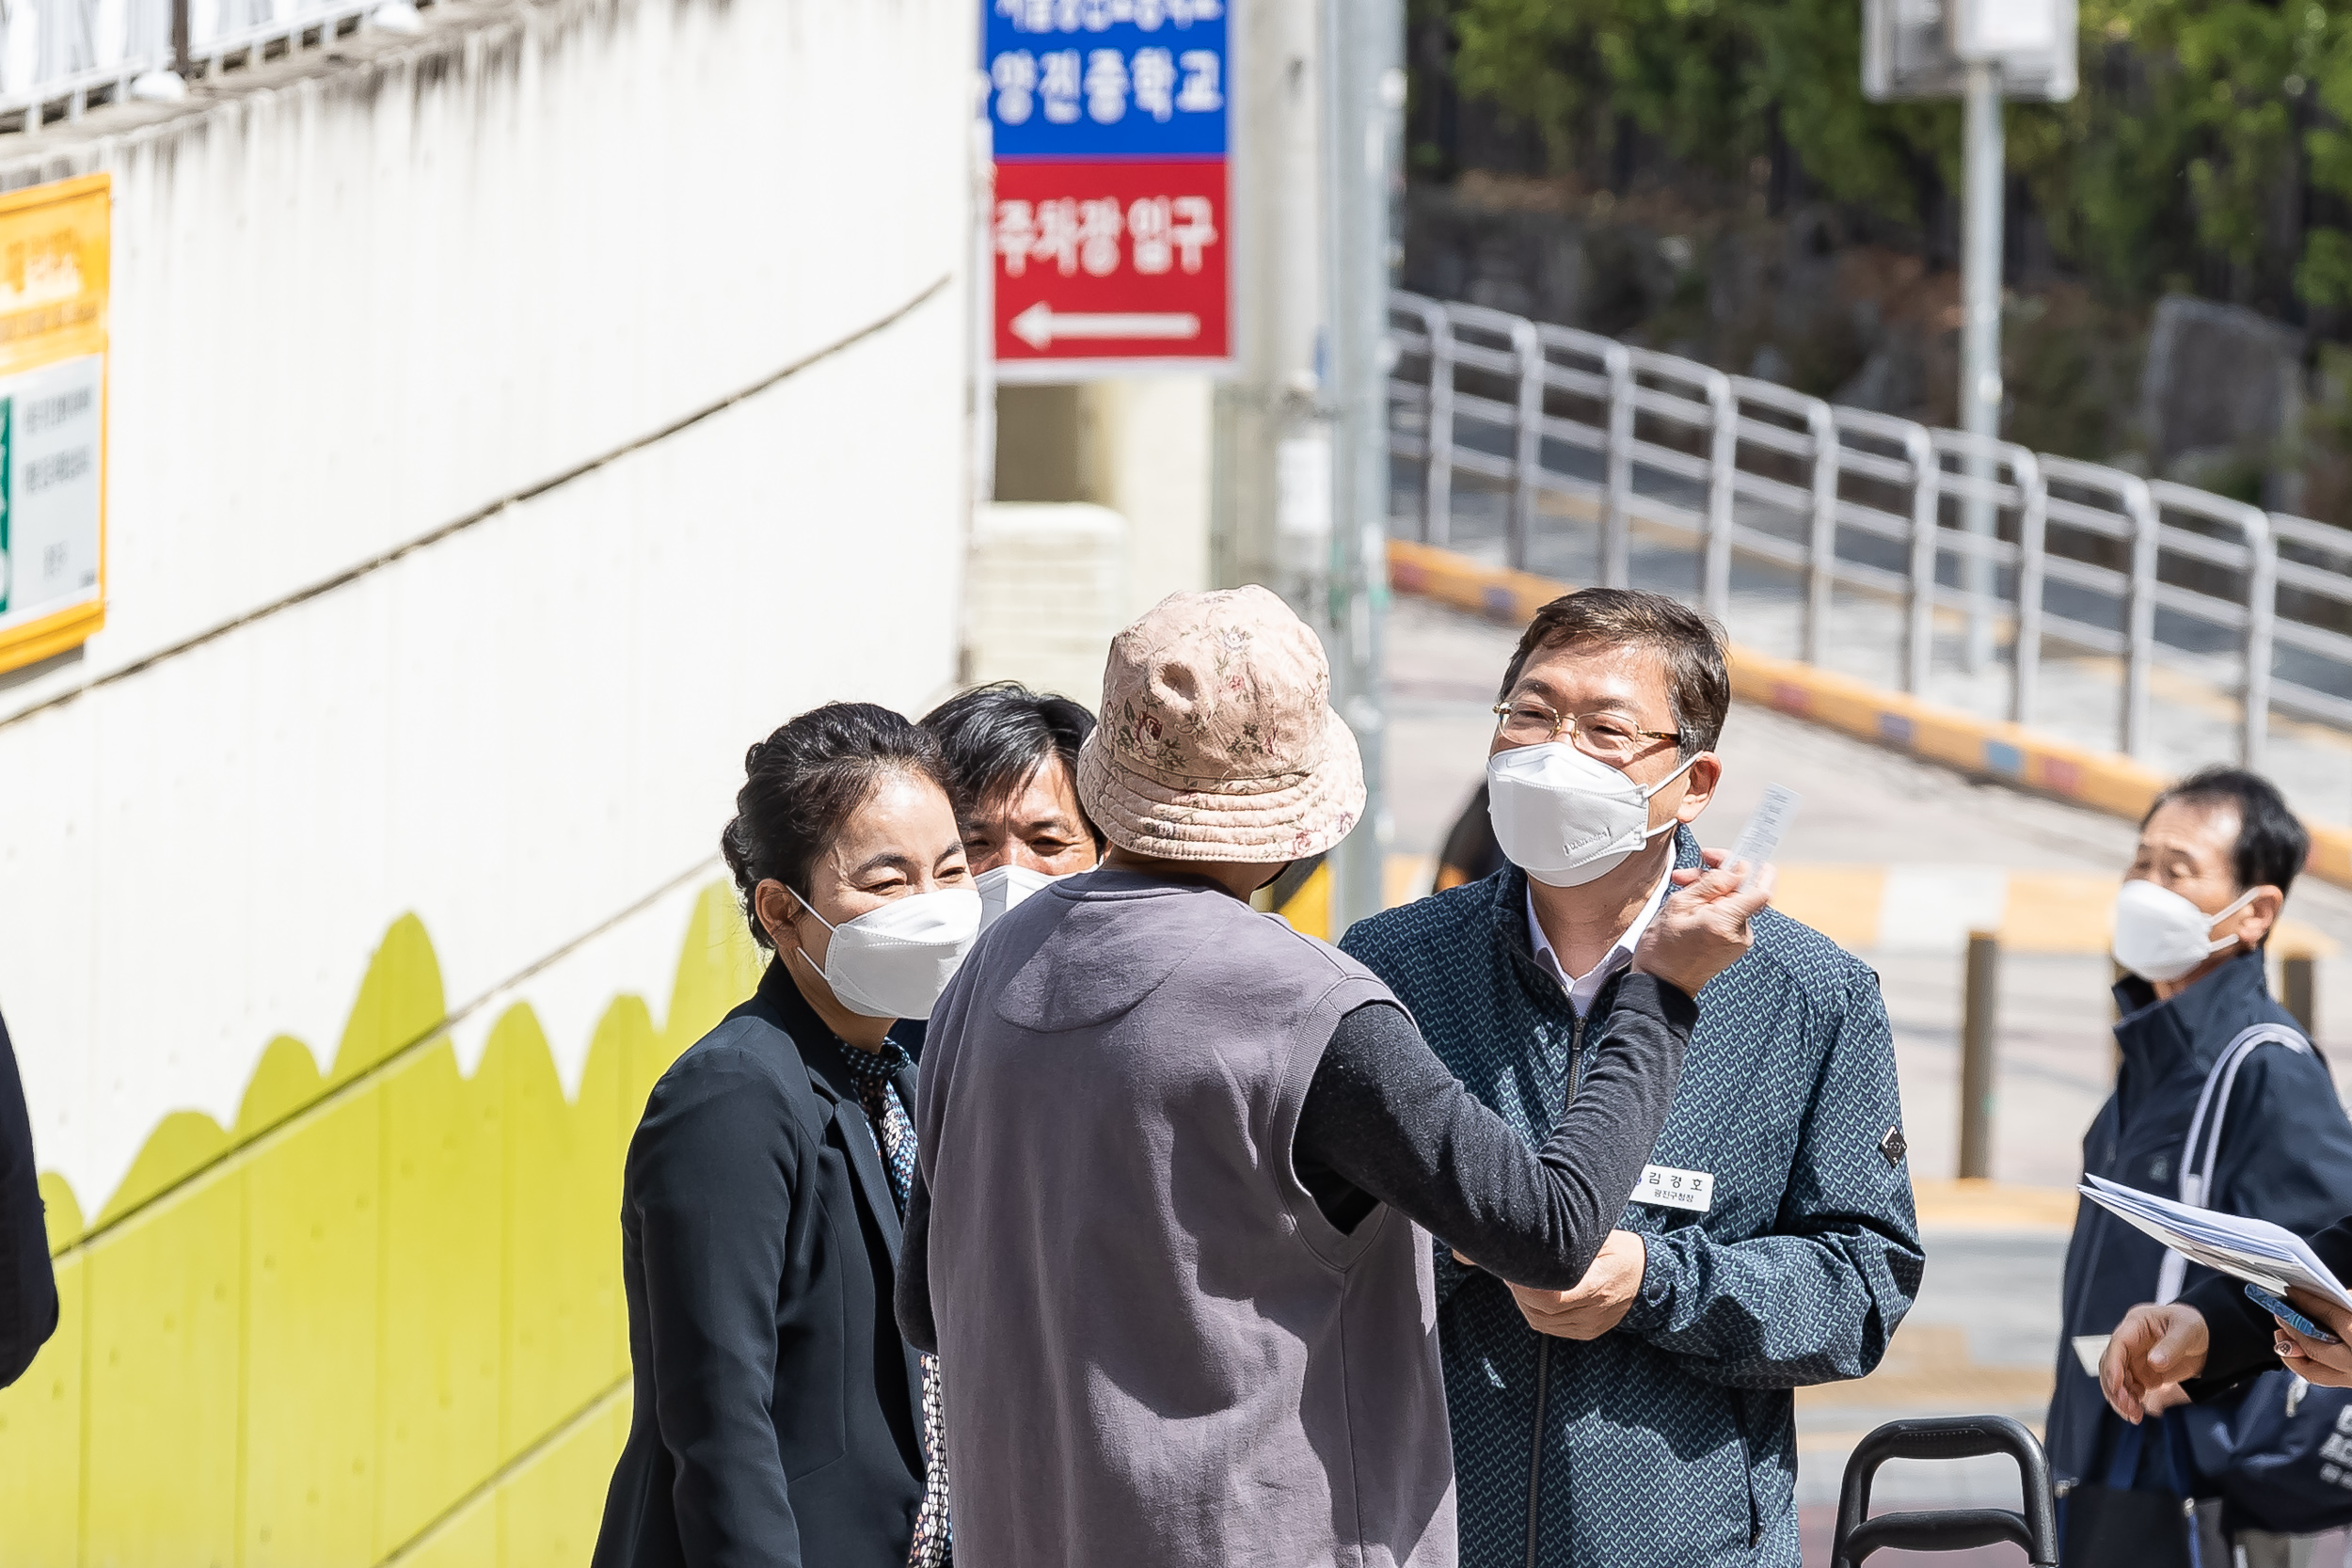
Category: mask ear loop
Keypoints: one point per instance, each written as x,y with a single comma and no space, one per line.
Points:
829,925
2237,904
1669,826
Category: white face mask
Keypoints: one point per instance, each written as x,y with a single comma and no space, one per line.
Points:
1001,887
895,960
1565,819
2161,936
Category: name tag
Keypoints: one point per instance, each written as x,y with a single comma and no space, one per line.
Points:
1670,1188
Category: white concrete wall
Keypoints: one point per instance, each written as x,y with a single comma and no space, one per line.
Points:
354,303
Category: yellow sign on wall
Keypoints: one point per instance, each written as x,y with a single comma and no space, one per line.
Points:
55,252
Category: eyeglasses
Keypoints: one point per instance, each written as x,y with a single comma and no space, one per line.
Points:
1603,736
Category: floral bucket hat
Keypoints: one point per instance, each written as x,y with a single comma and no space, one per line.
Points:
1217,740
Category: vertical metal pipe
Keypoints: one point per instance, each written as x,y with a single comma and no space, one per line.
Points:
1979,1035
1363,165
1980,341
2139,617
1527,450
1820,561
1617,550
1437,478
2032,526
2301,990
1722,456
2261,592
1919,606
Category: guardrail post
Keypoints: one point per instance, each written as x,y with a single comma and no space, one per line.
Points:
1527,453
1722,467
1820,561
2300,993
2033,513
1616,552
180,39
1977,1037
2262,595
1436,501
2139,625
1919,603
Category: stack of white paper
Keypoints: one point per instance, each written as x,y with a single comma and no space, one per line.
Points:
2271,1257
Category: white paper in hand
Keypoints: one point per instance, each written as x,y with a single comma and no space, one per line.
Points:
2257,1250
1761,836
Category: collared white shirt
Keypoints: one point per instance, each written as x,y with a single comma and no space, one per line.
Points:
1584,988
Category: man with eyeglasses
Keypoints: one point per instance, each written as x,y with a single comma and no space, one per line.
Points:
1645,1417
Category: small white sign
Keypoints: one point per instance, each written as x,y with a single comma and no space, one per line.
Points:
1302,488
51,442
1762,834
1669,1188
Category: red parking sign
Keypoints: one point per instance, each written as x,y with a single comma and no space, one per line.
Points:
1098,260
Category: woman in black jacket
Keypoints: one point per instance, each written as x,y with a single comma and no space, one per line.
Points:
779,1419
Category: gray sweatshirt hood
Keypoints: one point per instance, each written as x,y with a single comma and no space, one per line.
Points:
1088,947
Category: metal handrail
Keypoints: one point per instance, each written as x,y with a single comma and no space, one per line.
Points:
2093,557
84,51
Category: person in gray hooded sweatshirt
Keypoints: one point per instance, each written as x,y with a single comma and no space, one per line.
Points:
1165,1233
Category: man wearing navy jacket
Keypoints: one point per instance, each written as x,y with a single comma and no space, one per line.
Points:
28,1293
2217,854
1645,1419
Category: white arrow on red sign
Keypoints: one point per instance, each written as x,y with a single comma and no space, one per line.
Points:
1040,325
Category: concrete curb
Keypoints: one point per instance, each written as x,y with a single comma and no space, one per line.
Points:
1991,748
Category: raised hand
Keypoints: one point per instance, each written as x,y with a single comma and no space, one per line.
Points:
1702,929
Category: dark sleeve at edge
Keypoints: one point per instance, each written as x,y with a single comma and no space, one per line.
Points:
711,1178
1384,1114
28,1291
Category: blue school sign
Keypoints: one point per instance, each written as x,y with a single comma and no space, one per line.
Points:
1127,79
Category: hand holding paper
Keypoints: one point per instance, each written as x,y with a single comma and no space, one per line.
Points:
2158,1346
2268,1255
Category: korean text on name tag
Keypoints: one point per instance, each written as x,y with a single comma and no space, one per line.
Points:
1670,1188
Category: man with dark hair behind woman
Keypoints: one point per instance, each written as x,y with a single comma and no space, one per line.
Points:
779,1419
1013,754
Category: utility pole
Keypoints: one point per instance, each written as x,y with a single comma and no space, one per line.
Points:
1981,51
1985,159
1302,466
1363,162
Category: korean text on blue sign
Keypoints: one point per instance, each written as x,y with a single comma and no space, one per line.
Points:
1106,78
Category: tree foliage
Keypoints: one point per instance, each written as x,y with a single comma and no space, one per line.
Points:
2207,147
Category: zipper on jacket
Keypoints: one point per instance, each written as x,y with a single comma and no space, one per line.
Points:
1543,1346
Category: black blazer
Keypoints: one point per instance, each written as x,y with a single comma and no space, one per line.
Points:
28,1293
774,1422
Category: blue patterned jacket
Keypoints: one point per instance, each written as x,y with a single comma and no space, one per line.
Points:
1671,1439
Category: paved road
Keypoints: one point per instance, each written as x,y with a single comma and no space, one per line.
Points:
1983,1335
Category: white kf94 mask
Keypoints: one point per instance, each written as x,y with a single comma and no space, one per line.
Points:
1001,887
895,960
2161,936
1565,819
